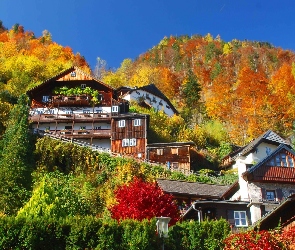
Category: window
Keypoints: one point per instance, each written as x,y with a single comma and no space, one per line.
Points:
240,219
290,161
283,160
121,123
69,112
97,127
125,142
174,151
83,86
270,195
73,74
86,111
115,108
160,151
132,142
82,127
174,165
68,127
137,122
45,98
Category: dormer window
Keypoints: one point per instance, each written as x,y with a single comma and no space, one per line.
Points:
73,74
83,86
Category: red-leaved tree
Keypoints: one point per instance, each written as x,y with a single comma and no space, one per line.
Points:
143,200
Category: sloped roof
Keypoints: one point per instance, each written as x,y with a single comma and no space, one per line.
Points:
193,189
282,214
269,136
284,171
67,71
152,89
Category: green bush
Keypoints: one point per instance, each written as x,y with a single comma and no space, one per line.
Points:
89,232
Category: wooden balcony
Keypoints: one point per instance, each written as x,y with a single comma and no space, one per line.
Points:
82,134
86,117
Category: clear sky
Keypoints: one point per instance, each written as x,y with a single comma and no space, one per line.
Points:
118,29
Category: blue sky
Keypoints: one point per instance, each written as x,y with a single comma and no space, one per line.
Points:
116,30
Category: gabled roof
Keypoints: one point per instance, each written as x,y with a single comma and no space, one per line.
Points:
192,189
152,89
65,72
279,172
269,137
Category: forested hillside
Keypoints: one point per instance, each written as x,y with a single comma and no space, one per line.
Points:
246,86
26,61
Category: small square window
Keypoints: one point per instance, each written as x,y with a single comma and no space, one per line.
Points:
68,127
240,219
174,165
83,86
137,122
115,109
45,98
270,195
132,142
174,151
73,74
82,127
121,123
160,151
125,142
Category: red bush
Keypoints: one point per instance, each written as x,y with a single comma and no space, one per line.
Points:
142,200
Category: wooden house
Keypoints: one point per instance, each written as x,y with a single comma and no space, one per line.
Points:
77,106
176,155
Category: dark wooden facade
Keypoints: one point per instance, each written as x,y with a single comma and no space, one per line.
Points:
206,209
77,117
129,134
73,77
176,155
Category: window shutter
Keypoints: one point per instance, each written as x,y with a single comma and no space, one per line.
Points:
263,193
280,194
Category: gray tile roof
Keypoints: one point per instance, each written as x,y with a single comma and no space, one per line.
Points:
269,136
193,189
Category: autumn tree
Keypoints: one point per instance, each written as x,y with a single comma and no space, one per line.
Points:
142,200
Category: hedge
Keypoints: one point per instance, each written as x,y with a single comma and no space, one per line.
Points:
94,233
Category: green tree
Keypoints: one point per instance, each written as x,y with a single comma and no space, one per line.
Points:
58,195
16,162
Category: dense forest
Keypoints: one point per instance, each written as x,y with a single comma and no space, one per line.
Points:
246,87
227,93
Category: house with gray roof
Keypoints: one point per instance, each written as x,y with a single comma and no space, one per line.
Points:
148,96
266,179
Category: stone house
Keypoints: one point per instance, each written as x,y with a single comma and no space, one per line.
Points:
266,178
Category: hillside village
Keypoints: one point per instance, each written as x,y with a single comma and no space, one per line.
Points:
70,141
265,166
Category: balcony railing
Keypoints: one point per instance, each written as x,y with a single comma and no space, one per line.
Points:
85,133
82,117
